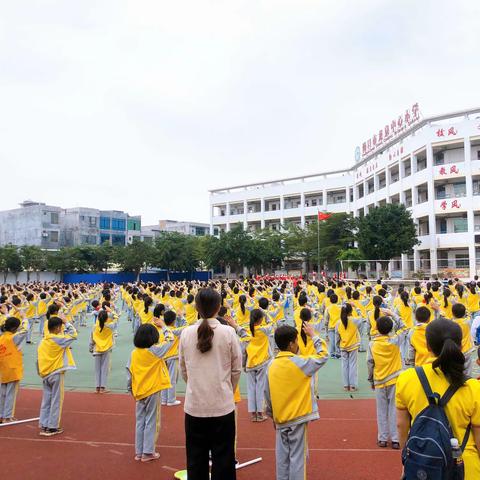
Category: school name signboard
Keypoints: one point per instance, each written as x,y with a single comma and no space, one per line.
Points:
390,131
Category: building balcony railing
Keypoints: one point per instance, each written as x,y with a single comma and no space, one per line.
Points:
443,196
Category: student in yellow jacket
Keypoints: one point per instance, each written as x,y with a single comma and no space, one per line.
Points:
290,398
259,354
459,313
176,326
147,376
418,352
54,359
101,344
12,334
347,336
384,366
444,338
331,318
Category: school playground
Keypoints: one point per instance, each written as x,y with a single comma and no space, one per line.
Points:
98,441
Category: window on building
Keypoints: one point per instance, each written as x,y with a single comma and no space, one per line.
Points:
460,225
54,218
92,221
459,189
274,206
441,194
439,158
118,239
82,218
105,223
461,261
442,226
88,239
478,154
53,236
104,238
118,224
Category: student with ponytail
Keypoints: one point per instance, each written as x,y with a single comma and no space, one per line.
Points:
444,339
12,334
101,345
405,311
347,337
210,361
259,354
446,304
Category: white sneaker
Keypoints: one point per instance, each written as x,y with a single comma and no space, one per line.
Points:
174,404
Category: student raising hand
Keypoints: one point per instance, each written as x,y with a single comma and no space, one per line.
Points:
309,330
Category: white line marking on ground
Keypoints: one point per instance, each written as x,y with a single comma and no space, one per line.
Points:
260,449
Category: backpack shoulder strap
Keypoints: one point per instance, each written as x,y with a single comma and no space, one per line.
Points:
465,438
451,390
426,386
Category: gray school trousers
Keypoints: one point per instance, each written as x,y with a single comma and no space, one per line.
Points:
169,395
256,381
52,401
147,412
291,452
350,368
102,367
386,414
8,397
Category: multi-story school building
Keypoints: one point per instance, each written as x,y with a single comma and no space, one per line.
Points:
431,165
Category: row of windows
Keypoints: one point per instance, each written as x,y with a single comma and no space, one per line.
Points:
115,239
107,223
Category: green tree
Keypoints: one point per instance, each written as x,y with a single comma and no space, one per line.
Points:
353,258
134,257
11,261
33,259
386,232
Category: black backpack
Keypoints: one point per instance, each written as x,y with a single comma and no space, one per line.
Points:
428,455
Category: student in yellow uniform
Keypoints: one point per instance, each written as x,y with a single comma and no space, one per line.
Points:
446,303
42,312
147,377
459,313
242,313
191,314
444,339
258,357
290,399
418,352
146,312
405,312
54,359
175,326
12,334
473,300
384,363
331,318
348,342
101,345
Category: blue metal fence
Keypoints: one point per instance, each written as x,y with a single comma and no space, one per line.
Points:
128,277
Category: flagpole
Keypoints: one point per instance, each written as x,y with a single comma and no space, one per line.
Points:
318,246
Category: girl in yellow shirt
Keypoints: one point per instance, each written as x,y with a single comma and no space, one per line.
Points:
13,333
147,377
101,344
444,339
446,304
347,336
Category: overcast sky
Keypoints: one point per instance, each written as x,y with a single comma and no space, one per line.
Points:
144,105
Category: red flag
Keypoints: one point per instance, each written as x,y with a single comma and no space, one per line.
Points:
323,216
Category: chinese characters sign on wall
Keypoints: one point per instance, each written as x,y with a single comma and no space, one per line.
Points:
451,204
391,130
447,170
446,132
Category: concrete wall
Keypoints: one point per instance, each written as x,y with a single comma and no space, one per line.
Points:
40,276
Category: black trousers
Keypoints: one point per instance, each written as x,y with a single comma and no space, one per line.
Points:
215,434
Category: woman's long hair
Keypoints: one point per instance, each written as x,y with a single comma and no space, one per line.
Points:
444,338
256,317
207,303
377,302
344,313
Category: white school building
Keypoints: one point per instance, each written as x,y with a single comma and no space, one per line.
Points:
431,165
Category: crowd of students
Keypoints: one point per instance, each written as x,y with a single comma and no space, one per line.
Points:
285,332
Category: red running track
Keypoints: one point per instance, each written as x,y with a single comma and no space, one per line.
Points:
99,433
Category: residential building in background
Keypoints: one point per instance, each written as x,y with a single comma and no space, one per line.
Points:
52,227
34,223
431,165
188,228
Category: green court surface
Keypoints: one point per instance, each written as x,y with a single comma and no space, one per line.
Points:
82,379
